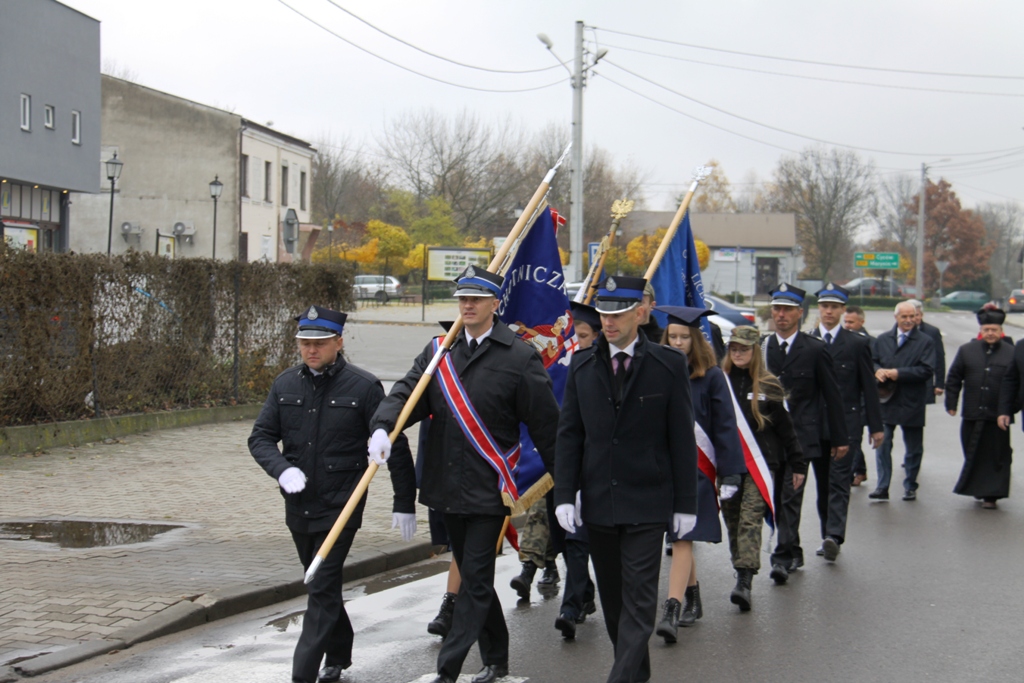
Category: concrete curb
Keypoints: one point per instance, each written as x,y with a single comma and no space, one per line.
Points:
406,323
220,604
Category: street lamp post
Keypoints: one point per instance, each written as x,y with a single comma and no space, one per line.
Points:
216,187
114,166
330,242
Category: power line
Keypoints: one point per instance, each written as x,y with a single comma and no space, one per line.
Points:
811,61
413,71
813,78
978,189
799,135
437,56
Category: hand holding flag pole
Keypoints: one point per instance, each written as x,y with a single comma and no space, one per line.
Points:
428,373
699,174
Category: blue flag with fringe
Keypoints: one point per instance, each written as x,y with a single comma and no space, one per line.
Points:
677,281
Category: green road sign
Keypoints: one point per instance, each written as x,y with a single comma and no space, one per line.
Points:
889,260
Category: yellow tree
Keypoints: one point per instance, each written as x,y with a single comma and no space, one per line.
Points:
703,253
392,242
715,193
641,249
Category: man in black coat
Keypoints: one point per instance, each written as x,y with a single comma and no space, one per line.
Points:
505,381
979,368
853,321
806,371
904,362
937,384
626,465
851,358
320,411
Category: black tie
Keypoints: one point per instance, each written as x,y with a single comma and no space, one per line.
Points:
473,344
620,375
828,337
783,346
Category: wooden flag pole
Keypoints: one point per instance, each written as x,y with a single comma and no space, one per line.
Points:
428,373
699,174
620,209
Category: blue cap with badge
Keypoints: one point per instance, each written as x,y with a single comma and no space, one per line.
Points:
476,281
831,293
619,293
320,323
788,295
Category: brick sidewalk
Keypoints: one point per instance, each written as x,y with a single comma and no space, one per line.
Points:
202,477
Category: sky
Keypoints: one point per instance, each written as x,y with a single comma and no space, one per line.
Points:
263,60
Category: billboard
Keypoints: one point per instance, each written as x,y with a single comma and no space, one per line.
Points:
447,263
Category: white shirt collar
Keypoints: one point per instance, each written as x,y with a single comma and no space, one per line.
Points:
789,340
824,330
628,350
480,339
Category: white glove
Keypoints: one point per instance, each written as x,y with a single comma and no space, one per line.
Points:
566,516
292,480
683,524
380,448
579,510
725,491
406,522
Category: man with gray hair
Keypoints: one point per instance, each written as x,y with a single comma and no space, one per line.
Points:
904,360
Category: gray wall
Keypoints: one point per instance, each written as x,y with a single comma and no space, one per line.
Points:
171,148
51,52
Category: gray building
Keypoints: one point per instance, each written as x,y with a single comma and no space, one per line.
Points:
49,119
750,252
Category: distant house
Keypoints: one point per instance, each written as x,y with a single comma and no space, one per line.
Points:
766,243
49,119
172,149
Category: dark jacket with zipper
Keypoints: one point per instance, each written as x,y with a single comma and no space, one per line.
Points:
507,384
323,425
634,460
778,441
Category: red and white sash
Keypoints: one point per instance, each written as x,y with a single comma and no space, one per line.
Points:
757,467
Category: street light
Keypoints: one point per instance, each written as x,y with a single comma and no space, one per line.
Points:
216,187
114,166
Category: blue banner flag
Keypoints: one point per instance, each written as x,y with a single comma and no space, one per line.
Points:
677,281
534,304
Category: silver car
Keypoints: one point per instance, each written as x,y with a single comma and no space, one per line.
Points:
379,287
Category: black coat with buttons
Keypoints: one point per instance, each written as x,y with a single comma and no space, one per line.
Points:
323,428
978,370
507,384
855,374
635,463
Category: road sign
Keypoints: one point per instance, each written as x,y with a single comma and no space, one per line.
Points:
887,260
592,251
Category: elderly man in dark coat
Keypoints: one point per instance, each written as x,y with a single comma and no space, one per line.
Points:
904,360
978,369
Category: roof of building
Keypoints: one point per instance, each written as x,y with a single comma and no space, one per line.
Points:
748,230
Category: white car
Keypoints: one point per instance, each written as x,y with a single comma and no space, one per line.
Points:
379,287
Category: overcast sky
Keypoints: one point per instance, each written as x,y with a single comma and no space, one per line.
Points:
267,63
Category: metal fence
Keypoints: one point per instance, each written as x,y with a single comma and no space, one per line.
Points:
84,336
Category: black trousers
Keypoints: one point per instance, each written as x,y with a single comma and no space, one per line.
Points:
326,629
788,547
477,615
627,561
579,589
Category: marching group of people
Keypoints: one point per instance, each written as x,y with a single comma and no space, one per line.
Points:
658,431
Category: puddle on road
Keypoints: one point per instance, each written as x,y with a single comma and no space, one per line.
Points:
282,623
68,533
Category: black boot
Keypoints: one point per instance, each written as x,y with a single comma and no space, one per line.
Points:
442,623
550,576
741,593
523,582
669,616
692,610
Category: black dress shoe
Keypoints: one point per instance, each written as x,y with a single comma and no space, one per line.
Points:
330,674
491,673
566,623
589,607
830,549
910,495
879,494
779,574
441,678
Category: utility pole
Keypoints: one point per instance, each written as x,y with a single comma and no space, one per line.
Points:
576,177
919,275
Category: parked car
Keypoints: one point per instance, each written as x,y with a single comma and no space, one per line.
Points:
872,286
379,287
737,315
1015,302
965,300
571,289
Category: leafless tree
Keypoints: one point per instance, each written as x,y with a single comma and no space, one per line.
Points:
1004,227
111,67
344,184
832,193
894,211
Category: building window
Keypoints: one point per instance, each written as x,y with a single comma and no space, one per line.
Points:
48,116
26,112
284,186
268,181
243,176
76,127
302,191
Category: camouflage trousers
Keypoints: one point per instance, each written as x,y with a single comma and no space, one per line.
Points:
744,516
535,537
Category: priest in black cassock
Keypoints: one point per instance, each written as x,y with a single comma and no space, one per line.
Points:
978,370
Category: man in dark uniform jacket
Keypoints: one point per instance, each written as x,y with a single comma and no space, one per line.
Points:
853,321
321,411
855,374
627,462
937,384
807,373
506,383
904,363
